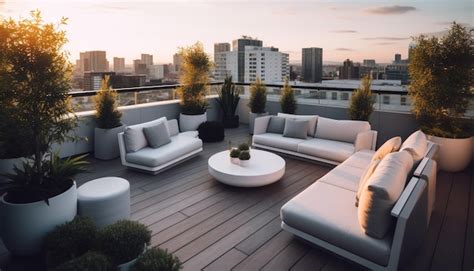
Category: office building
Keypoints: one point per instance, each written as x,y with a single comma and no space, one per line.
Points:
93,80
266,63
349,70
156,72
238,46
127,80
397,72
369,63
398,59
147,59
220,60
92,61
312,64
119,64
177,62
139,67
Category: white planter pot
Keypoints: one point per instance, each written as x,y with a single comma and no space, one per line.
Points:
244,163
106,143
252,117
23,227
191,122
127,266
455,154
7,165
235,161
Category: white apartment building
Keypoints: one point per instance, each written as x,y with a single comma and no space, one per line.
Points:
266,63
156,71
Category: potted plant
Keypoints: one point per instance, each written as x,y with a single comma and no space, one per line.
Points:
234,154
90,261
42,194
244,147
228,99
108,122
244,158
440,89
157,259
192,92
123,242
287,99
362,103
257,102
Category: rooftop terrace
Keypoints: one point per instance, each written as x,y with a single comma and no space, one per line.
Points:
212,226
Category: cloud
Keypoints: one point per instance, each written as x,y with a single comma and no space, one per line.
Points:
344,31
385,43
343,49
387,38
390,10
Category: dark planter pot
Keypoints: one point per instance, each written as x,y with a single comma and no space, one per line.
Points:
231,122
211,131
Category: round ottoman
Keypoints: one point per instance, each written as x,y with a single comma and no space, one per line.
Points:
211,131
105,200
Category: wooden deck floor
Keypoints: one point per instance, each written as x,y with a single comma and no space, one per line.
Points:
211,226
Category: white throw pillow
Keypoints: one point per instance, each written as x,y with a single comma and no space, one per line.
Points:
312,120
391,145
340,130
381,192
365,176
416,145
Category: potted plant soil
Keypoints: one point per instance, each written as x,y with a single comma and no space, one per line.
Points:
441,89
194,80
257,102
228,99
157,259
362,104
42,194
108,123
123,242
287,99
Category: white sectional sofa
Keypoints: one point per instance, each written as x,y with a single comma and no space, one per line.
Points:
328,140
326,215
181,146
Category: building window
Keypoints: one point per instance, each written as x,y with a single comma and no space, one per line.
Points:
403,100
344,96
334,95
386,99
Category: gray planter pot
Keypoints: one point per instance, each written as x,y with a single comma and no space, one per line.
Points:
252,118
106,143
191,122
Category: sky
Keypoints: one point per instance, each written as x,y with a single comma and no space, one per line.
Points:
356,30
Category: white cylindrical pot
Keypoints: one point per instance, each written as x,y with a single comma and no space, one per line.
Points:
23,227
455,154
235,161
244,163
106,142
191,122
252,117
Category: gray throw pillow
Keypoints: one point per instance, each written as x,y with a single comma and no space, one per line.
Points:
134,139
157,135
276,125
296,128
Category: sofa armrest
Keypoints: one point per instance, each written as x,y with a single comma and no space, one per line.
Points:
173,127
365,140
261,124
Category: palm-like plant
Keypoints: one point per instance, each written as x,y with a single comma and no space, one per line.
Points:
229,97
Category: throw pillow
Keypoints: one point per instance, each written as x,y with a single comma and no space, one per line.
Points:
364,177
415,144
312,120
391,145
381,192
276,125
296,128
134,139
157,135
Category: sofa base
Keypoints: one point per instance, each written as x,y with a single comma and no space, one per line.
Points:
296,154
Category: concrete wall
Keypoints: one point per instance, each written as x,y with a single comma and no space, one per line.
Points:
388,124
131,115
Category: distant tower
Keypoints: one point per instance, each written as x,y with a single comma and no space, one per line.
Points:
147,59
398,58
239,46
119,64
220,59
312,64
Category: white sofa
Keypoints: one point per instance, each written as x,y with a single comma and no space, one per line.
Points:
330,141
182,147
325,213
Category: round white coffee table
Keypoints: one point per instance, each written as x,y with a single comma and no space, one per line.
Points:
264,168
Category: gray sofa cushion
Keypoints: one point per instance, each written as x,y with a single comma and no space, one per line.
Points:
343,176
276,125
178,147
157,135
360,159
277,141
364,177
326,149
134,138
327,212
296,128
340,130
381,192
312,120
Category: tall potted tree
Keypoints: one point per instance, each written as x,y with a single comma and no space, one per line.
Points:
440,89
362,104
257,102
108,122
194,79
42,194
287,99
228,99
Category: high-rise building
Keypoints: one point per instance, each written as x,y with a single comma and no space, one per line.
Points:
139,67
220,60
119,64
266,63
239,45
177,62
369,63
397,72
398,59
156,72
92,61
93,80
349,70
147,59
312,64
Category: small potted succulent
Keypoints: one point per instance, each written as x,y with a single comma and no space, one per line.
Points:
244,147
156,259
234,155
123,242
244,158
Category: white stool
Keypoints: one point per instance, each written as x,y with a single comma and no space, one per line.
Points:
105,200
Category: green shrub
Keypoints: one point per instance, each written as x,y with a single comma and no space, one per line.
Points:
156,259
258,97
234,153
244,147
287,99
123,241
107,116
90,261
244,155
70,240
228,99
362,104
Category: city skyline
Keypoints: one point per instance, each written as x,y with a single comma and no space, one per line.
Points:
372,29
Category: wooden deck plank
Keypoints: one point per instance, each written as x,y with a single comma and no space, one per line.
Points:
468,264
287,257
260,237
314,259
226,261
